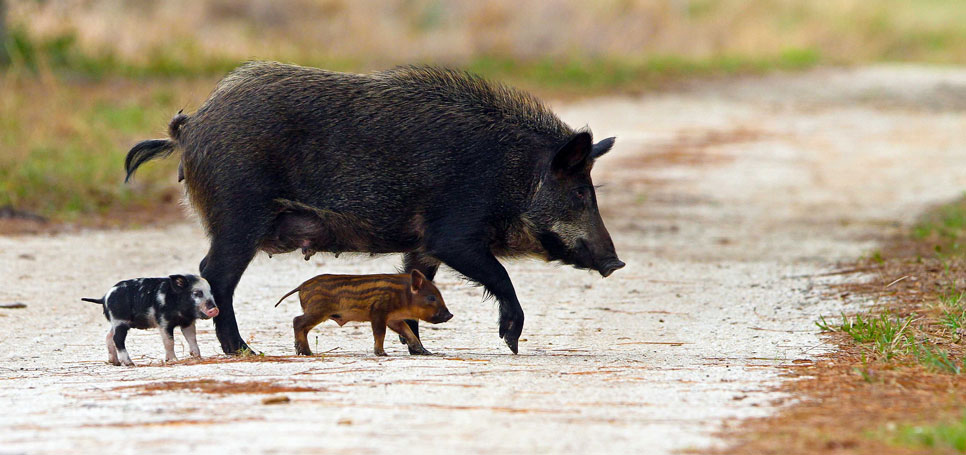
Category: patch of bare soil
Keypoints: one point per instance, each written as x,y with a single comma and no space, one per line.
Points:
214,386
692,148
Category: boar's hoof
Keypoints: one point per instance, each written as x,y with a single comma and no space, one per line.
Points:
381,354
511,326
419,351
512,344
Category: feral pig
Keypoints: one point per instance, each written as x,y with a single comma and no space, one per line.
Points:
383,300
436,164
163,303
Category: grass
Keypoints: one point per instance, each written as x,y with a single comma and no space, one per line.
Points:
950,435
64,143
918,330
895,383
916,336
593,75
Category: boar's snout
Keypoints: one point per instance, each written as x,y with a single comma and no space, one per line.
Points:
610,266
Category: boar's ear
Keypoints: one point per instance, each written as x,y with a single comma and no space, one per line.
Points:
418,280
574,155
602,147
178,282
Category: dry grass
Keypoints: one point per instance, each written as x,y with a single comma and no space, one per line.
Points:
64,145
375,32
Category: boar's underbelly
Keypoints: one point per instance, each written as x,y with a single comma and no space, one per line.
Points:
311,229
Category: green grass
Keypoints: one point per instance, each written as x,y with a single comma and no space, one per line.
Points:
894,338
62,54
942,320
64,145
945,228
949,435
885,332
600,74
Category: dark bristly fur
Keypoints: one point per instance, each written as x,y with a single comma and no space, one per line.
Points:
437,164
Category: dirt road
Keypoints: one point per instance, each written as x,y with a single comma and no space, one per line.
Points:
726,200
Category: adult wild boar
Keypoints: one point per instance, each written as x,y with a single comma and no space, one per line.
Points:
436,164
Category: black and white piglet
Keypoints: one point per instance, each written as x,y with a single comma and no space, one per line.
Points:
163,303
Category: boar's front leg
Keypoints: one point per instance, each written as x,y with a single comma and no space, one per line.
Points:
479,265
415,346
428,266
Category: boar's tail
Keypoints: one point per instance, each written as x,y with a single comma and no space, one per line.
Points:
293,291
148,150
99,301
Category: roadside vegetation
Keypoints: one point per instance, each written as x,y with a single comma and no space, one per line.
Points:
82,81
897,383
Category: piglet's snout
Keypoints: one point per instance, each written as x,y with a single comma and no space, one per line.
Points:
441,316
210,309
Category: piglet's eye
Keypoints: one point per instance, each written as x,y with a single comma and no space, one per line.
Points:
197,293
431,298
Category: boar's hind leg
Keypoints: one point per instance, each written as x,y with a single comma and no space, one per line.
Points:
428,266
227,259
479,265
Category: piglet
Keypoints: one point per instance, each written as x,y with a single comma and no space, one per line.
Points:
163,303
383,300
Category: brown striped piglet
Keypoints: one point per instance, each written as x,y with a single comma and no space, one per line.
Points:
383,300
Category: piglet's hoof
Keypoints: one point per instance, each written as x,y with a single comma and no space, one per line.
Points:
381,354
419,351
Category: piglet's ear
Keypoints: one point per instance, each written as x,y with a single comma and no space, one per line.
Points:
179,282
418,280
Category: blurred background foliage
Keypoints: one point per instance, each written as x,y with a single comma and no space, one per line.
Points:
82,80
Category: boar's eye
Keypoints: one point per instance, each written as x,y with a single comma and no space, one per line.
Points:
431,298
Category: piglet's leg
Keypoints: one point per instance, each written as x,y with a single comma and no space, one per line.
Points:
120,334
404,331
189,335
379,334
167,336
111,349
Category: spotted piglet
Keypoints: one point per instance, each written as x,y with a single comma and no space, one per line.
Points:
163,303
